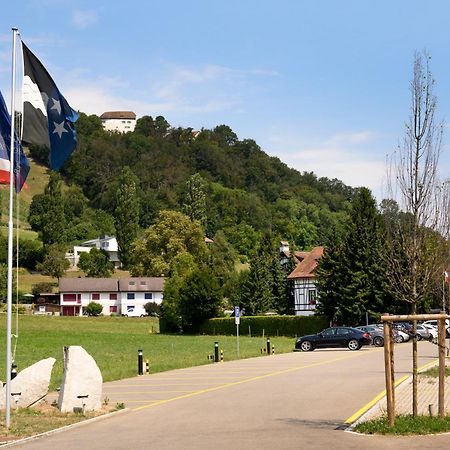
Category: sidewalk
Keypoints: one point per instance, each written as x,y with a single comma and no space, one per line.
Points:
427,391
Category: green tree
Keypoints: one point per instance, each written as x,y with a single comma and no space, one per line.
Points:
3,282
200,298
194,205
46,213
88,125
181,266
258,291
96,264
351,276
55,262
93,309
126,215
152,309
44,286
171,235
330,280
222,258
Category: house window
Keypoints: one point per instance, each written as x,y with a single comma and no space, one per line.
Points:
95,296
131,283
312,294
113,309
113,296
305,296
143,283
130,295
148,296
69,297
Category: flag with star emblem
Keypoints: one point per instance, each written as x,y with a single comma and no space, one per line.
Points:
21,165
48,120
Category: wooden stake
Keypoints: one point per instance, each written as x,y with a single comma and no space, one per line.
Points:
388,360
441,346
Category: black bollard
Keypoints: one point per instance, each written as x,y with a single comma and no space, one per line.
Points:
140,363
13,371
216,352
268,346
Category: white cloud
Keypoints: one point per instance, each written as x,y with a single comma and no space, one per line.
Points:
94,99
179,90
84,19
352,157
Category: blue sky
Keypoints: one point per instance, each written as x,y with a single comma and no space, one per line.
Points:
323,85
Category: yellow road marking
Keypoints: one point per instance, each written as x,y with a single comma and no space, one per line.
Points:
235,383
369,405
160,384
149,392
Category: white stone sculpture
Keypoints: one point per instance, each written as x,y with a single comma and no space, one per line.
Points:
81,388
30,385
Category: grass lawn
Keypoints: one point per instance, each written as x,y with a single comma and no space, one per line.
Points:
405,425
30,421
434,372
114,341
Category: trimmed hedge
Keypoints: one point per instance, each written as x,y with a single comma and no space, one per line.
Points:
272,325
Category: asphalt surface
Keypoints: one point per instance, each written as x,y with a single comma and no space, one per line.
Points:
289,401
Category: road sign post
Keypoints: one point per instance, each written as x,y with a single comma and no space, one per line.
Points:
237,321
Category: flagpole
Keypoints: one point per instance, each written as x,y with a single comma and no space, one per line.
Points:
10,238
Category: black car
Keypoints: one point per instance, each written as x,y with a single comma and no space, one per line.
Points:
375,333
334,337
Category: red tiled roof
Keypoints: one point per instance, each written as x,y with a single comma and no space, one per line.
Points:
88,285
118,115
141,284
306,267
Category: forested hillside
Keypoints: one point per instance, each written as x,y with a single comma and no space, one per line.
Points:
247,192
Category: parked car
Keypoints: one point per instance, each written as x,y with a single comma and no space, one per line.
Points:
435,325
431,329
400,334
349,337
376,334
423,332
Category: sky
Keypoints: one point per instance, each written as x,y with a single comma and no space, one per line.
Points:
323,85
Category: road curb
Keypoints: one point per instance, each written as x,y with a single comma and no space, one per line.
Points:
9,444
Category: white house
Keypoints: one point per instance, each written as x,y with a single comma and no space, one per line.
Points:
136,292
107,243
77,293
126,296
304,279
119,121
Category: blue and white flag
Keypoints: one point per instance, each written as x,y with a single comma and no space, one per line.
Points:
48,120
21,164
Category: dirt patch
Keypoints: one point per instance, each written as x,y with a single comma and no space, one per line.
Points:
41,418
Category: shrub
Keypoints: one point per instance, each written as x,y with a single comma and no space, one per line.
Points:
93,309
39,288
152,309
272,325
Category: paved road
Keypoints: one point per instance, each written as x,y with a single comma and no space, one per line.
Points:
290,401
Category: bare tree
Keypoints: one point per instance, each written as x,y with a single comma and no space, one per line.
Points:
418,233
